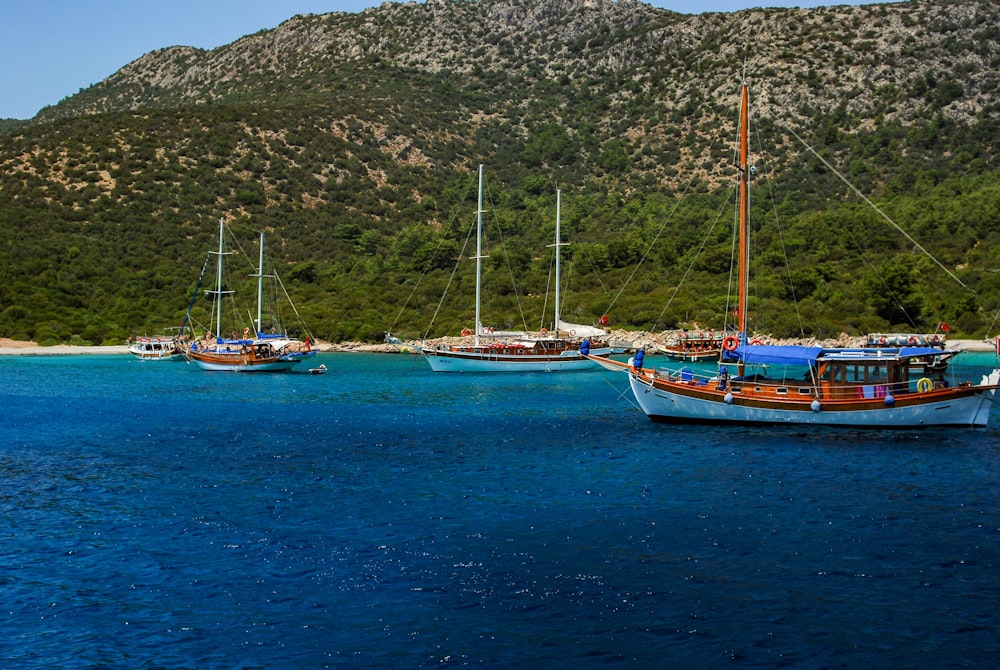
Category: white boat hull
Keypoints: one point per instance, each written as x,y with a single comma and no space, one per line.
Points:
668,405
158,355
156,350
445,360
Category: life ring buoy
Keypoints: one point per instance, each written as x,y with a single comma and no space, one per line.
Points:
911,340
572,333
756,342
466,332
730,343
924,385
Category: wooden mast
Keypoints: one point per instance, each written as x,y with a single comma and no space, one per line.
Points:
744,259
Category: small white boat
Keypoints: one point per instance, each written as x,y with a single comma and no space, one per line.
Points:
164,348
321,370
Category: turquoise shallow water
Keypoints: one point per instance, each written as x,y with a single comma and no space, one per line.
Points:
383,516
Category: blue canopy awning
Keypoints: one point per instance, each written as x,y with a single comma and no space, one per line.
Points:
801,355
767,354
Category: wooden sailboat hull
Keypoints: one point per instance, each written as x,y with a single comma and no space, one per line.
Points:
237,361
680,402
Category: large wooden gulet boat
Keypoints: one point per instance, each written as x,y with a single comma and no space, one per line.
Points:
264,345
493,351
890,386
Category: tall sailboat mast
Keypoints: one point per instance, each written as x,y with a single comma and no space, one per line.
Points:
260,285
479,253
744,259
558,243
218,279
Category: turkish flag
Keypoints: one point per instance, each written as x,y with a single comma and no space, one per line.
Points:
944,327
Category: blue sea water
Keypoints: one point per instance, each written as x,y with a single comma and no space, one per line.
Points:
383,516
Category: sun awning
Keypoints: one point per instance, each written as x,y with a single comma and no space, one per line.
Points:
765,354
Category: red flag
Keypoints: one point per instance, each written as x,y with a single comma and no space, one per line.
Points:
604,320
944,327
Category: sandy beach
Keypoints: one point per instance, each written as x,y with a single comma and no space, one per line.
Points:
10,347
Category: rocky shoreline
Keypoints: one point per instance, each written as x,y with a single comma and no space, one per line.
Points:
629,340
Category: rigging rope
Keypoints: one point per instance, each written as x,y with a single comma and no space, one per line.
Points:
873,205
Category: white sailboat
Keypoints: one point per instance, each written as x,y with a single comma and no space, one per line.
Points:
264,345
882,387
505,353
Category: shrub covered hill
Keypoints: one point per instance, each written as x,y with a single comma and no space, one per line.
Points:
354,140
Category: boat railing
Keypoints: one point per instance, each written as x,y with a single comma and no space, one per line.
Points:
798,386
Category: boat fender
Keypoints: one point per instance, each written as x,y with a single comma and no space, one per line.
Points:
585,347
889,400
924,385
729,398
814,405
730,343
637,359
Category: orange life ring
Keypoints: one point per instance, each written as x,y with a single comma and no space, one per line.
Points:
466,332
756,342
730,343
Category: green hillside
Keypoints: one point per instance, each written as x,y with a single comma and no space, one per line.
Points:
353,139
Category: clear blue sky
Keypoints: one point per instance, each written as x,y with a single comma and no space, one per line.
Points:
51,49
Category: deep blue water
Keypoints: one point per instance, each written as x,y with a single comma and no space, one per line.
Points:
383,516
